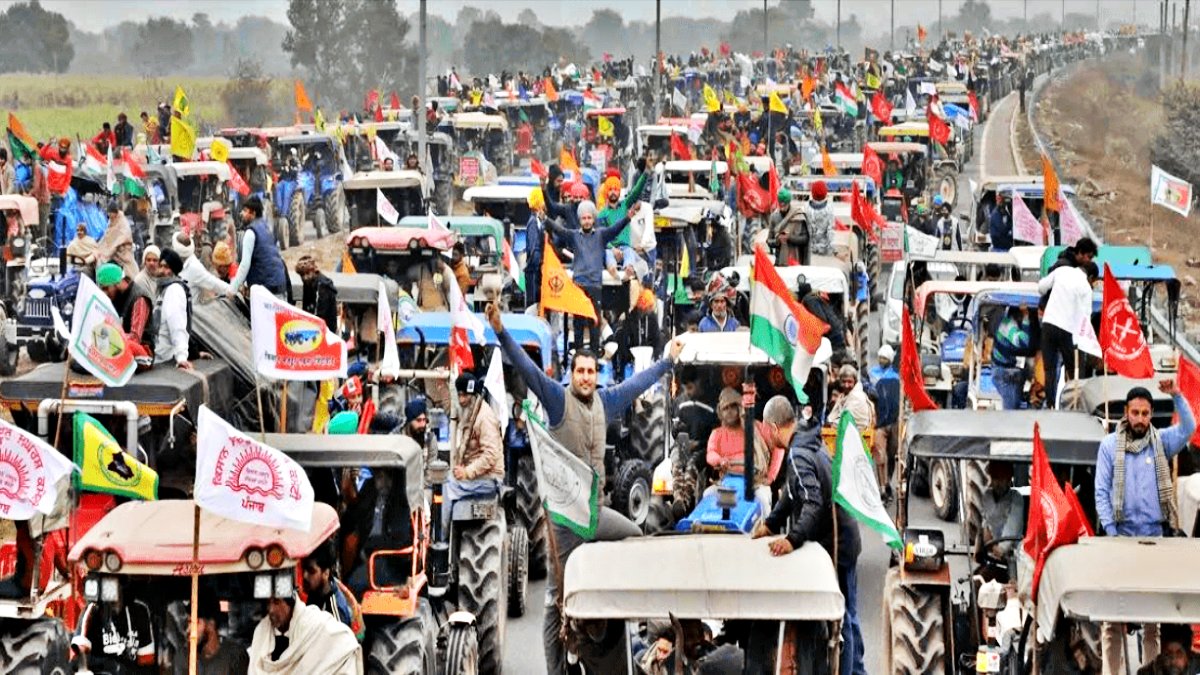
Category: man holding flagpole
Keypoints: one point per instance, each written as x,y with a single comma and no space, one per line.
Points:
578,422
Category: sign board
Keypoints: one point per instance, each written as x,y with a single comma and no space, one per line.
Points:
891,242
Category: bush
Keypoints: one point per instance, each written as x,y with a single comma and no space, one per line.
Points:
248,96
1176,147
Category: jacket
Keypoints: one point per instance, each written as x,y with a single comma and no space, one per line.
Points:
820,228
859,406
794,226
1070,302
589,249
1000,229
200,279
173,316
266,264
480,444
825,312
885,383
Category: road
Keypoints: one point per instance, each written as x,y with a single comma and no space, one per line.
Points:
523,639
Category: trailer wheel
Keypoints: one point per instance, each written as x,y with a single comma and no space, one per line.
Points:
943,489
916,625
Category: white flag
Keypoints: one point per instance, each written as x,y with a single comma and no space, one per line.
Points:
98,340
1170,191
493,383
383,153
855,486
385,209
910,104
570,489
110,179
390,365
679,99
291,344
1085,337
30,470
1025,226
436,227
241,479
1070,224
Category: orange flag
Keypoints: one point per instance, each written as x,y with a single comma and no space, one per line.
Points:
1050,182
551,92
559,292
567,161
827,164
806,87
921,33
302,102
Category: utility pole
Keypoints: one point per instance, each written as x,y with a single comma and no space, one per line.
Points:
892,33
839,24
766,40
1187,7
940,33
1064,15
1025,15
657,67
422,88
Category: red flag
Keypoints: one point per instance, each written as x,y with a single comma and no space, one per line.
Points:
58,177
536,168
1085,526
910,367
881,108
1053,522
1121,338
378,113
974,102
921,33
395,102
752,199
1189,384
772,185
872,166
864,214
461,358
372,100
939,131
679,149
726,49
235,180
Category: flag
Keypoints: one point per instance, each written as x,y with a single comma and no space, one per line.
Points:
93,161
390,363
183,139
807,85
775,104
714,182
559,292
939,131
237,182
880,107
132,187
863,213
105,467
97,340
1170,191
497,394
974,103
911,376
1052,522
1085,526
855,486
827,166
385,209
19,140
567,162
32,471
872,81
752,198
58,177
110,179
1050,183
818,122
844,99
551,92
679,100
536,168
1070,226
513,267
921,33
465,323
241,479
872,166
570,489
679,149
1125,350
711,102
788,333
382,151
219,150
604,127
590,99
685,260
378,113
302,100
1189,384
910,104
773,185
291,344
394,100
181,104
1025,226
319,120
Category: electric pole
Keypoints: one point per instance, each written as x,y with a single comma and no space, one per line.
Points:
1187,7
892,33
839,25
766,40
657,68
940,33
422,88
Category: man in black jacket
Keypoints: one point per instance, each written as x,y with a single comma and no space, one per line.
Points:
806,507
817,303
319,296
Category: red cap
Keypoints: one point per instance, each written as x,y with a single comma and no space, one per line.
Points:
579,189
352,388
819,191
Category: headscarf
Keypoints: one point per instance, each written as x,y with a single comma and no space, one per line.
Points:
536,200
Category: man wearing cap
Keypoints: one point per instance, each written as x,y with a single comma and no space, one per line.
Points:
261,263
718,320
1135,493
535,232
60,154
349,398
135,308
198,278
222,260
850,397
416,427
789,230
577,418
479,440
318,295
172,313
147,278
820,221
884,383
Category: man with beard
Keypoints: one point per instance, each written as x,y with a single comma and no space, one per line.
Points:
297,638
319,295
135,307
1175,657
1135,494
719,320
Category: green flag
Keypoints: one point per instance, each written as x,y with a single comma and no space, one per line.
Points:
855,487
570,489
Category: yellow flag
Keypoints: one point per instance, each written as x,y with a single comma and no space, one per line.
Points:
319,120
776,104
559,292
827,166
567,161
181,104
183,139
711,102
348,264
219,150
873,81
604,126
818,123
685,263
106,467
729,98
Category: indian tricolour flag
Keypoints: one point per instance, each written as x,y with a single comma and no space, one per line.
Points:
854,484
780,326
93,161
570,489
513,267
844,98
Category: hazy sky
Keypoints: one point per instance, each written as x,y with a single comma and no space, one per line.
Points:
875,14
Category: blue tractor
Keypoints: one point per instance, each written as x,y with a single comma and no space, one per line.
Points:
309,169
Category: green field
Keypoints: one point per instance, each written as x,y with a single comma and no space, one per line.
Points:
70,105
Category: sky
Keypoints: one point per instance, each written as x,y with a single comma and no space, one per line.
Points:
95,15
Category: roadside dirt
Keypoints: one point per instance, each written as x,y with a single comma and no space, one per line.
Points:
327,251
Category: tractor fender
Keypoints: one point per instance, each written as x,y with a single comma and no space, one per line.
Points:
461,618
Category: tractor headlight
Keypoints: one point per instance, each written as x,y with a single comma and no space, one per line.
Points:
110,589
91,589
284,585
262,586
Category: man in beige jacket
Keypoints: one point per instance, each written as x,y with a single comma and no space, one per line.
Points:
479,467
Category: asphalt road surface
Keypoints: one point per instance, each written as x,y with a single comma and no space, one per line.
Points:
993,156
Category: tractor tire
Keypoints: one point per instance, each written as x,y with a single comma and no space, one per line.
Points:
531,516
335,210
295,219
973,481
281,233
404,646
43,647
518,570
631,490
462,651
943,489
318,218
874,272
862,327
648,427
482,588
946,184
915,622
9,354
918,477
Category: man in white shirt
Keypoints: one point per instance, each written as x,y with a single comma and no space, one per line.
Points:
198,278
1067,310
172,313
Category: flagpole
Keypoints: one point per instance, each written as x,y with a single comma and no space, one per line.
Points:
262,425
193,622
283,406
62,397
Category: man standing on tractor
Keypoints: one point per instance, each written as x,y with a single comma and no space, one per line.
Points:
883,380
319,295
480,441
790,231
535,232
261,263
172,313
135,308
1068,306
1135,493
578,421
820,221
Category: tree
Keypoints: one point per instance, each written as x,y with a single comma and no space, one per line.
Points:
247,95
33,40
604,32
973,15
515,47
164,45
1176,147
528,17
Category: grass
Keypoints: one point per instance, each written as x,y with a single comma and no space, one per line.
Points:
70,105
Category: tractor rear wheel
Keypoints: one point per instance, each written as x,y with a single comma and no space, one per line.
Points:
295,219
319,222
462,651
518,569
631,490
946,184
404,646
943,489
974,482
531,515
648,427
281,232
482,587
9,354
862,327
335,210
916,625
43,647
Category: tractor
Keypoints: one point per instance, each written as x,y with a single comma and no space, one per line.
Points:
309,184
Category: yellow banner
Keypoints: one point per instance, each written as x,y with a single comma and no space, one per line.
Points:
105,467
183,139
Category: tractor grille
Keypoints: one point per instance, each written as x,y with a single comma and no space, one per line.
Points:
37,308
